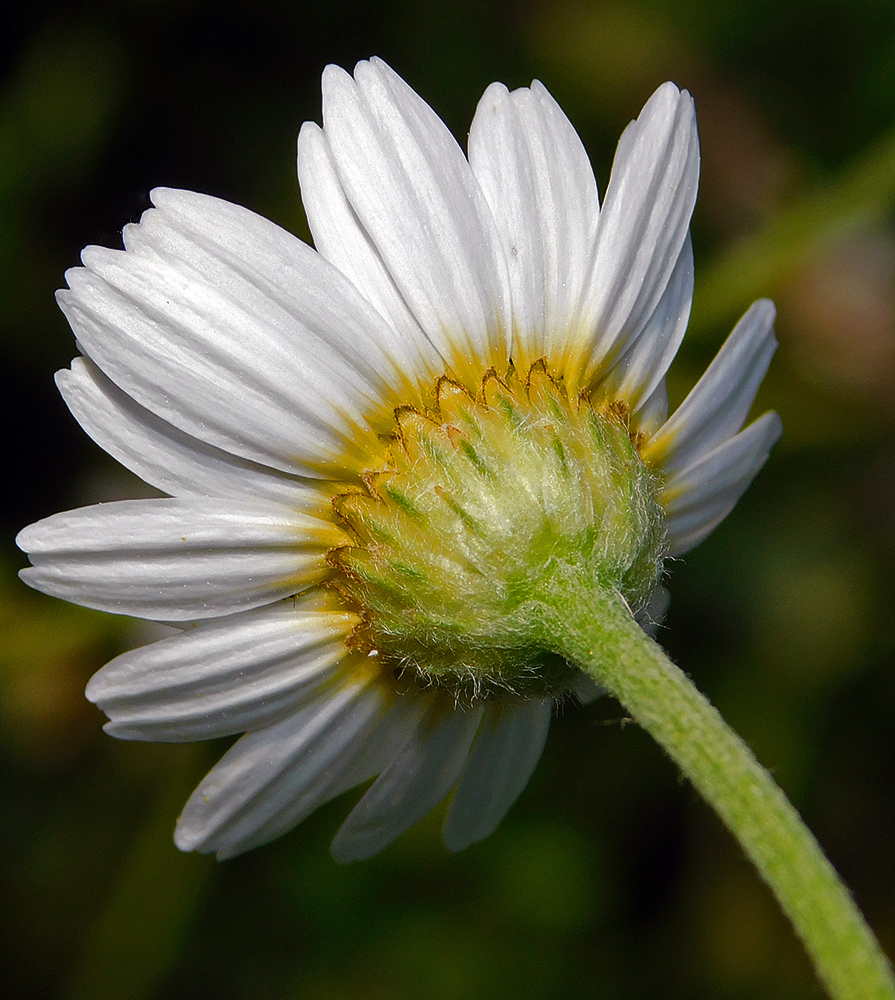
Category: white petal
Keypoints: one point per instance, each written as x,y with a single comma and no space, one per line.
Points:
223,677
225,243
720,401
176,560
166,457
411,786
543,195
639,372
506,751
643,225
235,332
413,193
699,498
653,411
271,779
342,240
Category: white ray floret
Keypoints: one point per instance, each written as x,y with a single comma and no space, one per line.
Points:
166,457
178,559
542,192
192,685
505,753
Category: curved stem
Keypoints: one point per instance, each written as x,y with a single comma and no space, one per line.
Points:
596,631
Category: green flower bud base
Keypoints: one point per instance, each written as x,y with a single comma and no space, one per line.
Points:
480,505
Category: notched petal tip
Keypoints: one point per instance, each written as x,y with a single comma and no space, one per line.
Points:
496,92
661,108
667,92
171,199
334,80
384,69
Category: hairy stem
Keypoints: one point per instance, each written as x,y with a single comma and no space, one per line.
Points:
602,638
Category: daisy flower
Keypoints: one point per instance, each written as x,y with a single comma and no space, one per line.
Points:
382,452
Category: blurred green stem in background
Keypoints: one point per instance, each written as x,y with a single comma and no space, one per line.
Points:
596,631
762,263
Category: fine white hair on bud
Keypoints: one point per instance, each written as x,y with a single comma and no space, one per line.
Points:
483,504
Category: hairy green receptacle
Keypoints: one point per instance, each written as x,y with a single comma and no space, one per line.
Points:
482,507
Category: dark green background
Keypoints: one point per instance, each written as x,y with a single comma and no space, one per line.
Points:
609,878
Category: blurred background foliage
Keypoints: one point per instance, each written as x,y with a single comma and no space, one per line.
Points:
609,878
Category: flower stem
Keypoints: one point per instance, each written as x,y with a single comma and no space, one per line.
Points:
603,639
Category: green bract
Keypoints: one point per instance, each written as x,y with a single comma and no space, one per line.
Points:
485,507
